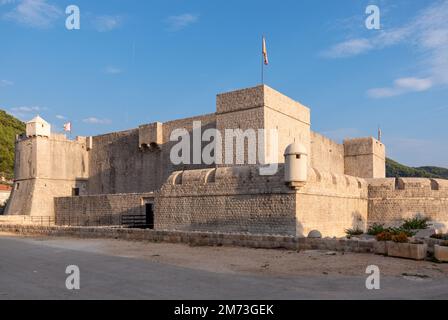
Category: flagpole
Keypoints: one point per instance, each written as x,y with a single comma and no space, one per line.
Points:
262,61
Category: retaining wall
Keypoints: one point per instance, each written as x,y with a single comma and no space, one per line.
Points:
196,238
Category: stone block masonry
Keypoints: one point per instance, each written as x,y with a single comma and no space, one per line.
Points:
100,209
195,238
392,200
98,179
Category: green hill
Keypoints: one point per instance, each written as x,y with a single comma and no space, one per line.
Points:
9,127
394,169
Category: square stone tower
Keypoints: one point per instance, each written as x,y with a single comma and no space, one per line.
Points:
365,158
262,107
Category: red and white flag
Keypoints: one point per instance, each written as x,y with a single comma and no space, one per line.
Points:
265,52
68,127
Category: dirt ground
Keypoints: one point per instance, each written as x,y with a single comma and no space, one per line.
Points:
249,261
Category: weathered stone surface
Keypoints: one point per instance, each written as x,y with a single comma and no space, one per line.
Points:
407,250
441,253
120,172
314,234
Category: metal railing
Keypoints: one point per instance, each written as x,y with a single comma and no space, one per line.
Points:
42,221
122,220
88,221
135,221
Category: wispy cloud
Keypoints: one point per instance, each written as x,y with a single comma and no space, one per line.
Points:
6,83
107,23
27,109
427,32
348,48
179,22
112,70
34,13
26,112
401,86
94,120
61,117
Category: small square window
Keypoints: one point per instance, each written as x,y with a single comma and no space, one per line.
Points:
75,192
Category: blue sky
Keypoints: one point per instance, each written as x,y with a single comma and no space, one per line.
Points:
135,62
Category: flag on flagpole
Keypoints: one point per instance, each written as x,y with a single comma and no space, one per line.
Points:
68,127
265,52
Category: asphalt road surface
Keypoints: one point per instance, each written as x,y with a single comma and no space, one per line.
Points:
30,270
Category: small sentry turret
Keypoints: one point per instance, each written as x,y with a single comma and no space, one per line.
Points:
296,165
38,127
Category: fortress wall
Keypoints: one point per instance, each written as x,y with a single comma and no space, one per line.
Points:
45,168
365,157
238,199
227,199
262,107
291,119
331,203
119,165
326,155
98,210
392,200
25,159
235,114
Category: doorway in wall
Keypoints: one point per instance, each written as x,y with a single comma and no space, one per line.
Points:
149,212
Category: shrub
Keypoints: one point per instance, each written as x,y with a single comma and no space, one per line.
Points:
400,237
375,229
396,231
353,232
384,236
416,223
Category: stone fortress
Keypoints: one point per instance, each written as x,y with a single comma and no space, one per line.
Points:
322,186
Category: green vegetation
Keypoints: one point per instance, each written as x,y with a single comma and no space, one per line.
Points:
353,232
395,169
9,127
376,229
416,223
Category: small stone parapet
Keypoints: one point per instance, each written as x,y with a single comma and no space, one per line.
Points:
196,238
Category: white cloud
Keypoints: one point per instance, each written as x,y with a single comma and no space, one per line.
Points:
427,33
27,109
93,120
401,86
60,117
112,70
5,83
34,13
107,23
179,22
25,113
348,48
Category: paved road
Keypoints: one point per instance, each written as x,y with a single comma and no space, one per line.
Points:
30,270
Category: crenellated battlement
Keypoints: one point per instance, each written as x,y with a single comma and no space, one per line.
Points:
393,199
389,187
